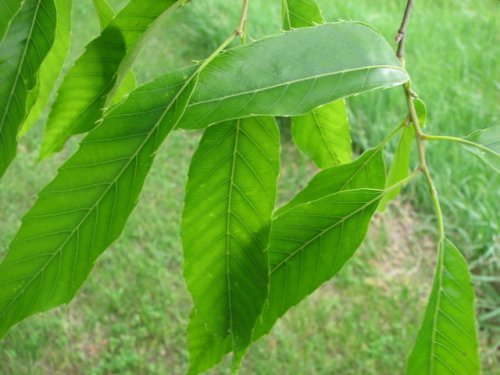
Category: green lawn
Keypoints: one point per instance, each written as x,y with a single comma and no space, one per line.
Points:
131,315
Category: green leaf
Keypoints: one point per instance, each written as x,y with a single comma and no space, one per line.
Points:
300,13
205,347
28,40
208,348
230,196
447,340
127,86
84,209
421,110
400,166
91,83
292,73
106,15
104,12
52,64
323,134
8,10
315,235
309,243
368,171
489,146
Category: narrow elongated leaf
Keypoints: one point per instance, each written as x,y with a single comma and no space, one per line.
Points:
84,209
230,196
314,235
310,243
52,65
400,165
292,73
25,45
489,153
8,10
91,83
300,13
447,340
323,134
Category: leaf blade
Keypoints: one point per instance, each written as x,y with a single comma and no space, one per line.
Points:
8,10
99,72
230,196
299,261
400,166
300,13
326,76
365,171
489,151
52,64
26,43
447,340
323,134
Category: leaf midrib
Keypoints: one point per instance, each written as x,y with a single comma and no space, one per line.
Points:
228,231
439,274
370,67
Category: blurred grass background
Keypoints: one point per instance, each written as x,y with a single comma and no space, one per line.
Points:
131,315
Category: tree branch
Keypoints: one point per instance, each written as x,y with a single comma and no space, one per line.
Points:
401,35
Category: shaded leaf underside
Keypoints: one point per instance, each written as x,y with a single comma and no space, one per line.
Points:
230,196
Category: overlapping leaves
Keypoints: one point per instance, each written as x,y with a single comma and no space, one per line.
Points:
323,134
85,208
91,83
52,65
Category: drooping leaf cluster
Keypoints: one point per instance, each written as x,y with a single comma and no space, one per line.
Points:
246,261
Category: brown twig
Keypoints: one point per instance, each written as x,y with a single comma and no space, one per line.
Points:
401,35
